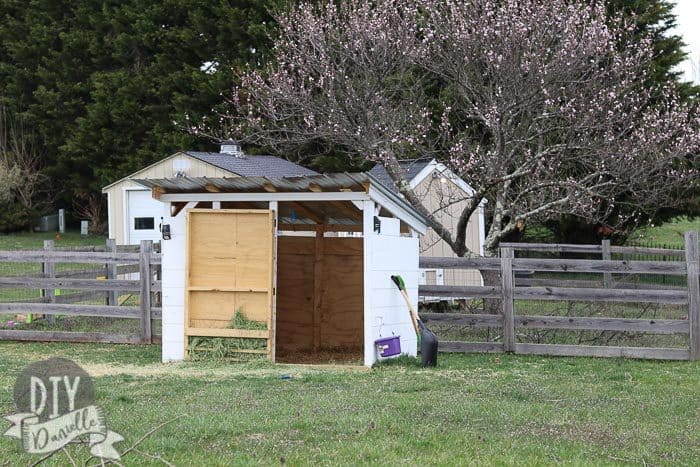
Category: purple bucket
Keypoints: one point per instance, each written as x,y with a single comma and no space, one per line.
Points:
388,346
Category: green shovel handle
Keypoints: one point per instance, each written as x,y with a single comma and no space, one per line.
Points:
398,280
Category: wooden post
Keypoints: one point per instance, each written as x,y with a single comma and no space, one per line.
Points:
692,261
49,270
607,276
145,275
273,206
111,273
507,303
318,282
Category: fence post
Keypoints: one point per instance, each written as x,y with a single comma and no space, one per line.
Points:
607,276
145,275
507,304
49,270
112,295
692,261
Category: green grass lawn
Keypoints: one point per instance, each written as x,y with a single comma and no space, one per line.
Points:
670,233
473,409
35,240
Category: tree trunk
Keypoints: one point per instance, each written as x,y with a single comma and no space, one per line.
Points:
492,306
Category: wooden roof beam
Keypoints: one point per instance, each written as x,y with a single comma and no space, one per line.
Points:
157,191
211,188
326,227
176,208
348,210
306,212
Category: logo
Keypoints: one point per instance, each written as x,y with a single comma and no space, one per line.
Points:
55,399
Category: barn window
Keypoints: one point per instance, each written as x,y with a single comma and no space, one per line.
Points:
144,223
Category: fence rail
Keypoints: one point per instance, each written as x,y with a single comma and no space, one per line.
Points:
599,249
512,288
92,284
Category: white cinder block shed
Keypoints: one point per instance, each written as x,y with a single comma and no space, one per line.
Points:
306,260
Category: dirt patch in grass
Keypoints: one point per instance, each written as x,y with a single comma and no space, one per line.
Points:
582,432
192,370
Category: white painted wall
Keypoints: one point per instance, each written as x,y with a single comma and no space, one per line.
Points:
385,308
140,203
173,267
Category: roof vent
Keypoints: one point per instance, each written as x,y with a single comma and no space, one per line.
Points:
232,147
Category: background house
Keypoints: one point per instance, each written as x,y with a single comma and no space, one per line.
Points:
134,215
445,194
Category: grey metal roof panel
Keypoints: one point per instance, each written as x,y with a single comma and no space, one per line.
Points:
252,166
412,167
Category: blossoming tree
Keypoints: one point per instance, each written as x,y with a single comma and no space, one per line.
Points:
543,107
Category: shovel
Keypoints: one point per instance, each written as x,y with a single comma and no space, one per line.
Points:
428,340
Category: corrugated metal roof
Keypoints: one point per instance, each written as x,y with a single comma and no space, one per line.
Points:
335,182
252,166
326,182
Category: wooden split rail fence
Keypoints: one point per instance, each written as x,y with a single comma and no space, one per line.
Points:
510,290
100,283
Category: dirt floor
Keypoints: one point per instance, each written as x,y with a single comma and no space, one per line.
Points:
322,356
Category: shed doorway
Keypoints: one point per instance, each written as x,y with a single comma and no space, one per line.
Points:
320,299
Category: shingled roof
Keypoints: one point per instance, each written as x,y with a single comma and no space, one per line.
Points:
252,166
411,167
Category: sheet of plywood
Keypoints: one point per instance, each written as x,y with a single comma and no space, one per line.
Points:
230,248
295,288
342,302
342,246
221,306
295,245
333,282
229,269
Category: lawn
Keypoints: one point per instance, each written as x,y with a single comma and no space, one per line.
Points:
670,233
35,240
473,409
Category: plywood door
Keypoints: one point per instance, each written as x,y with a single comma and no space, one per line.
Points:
230,269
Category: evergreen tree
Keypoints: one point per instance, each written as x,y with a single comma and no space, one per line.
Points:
105,84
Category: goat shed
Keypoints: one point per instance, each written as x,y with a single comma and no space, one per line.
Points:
307,260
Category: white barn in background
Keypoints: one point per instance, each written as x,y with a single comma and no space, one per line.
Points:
133,215
270,247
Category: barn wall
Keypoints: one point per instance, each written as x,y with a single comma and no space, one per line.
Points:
117,209
386,313
117,215
436,195
332,279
